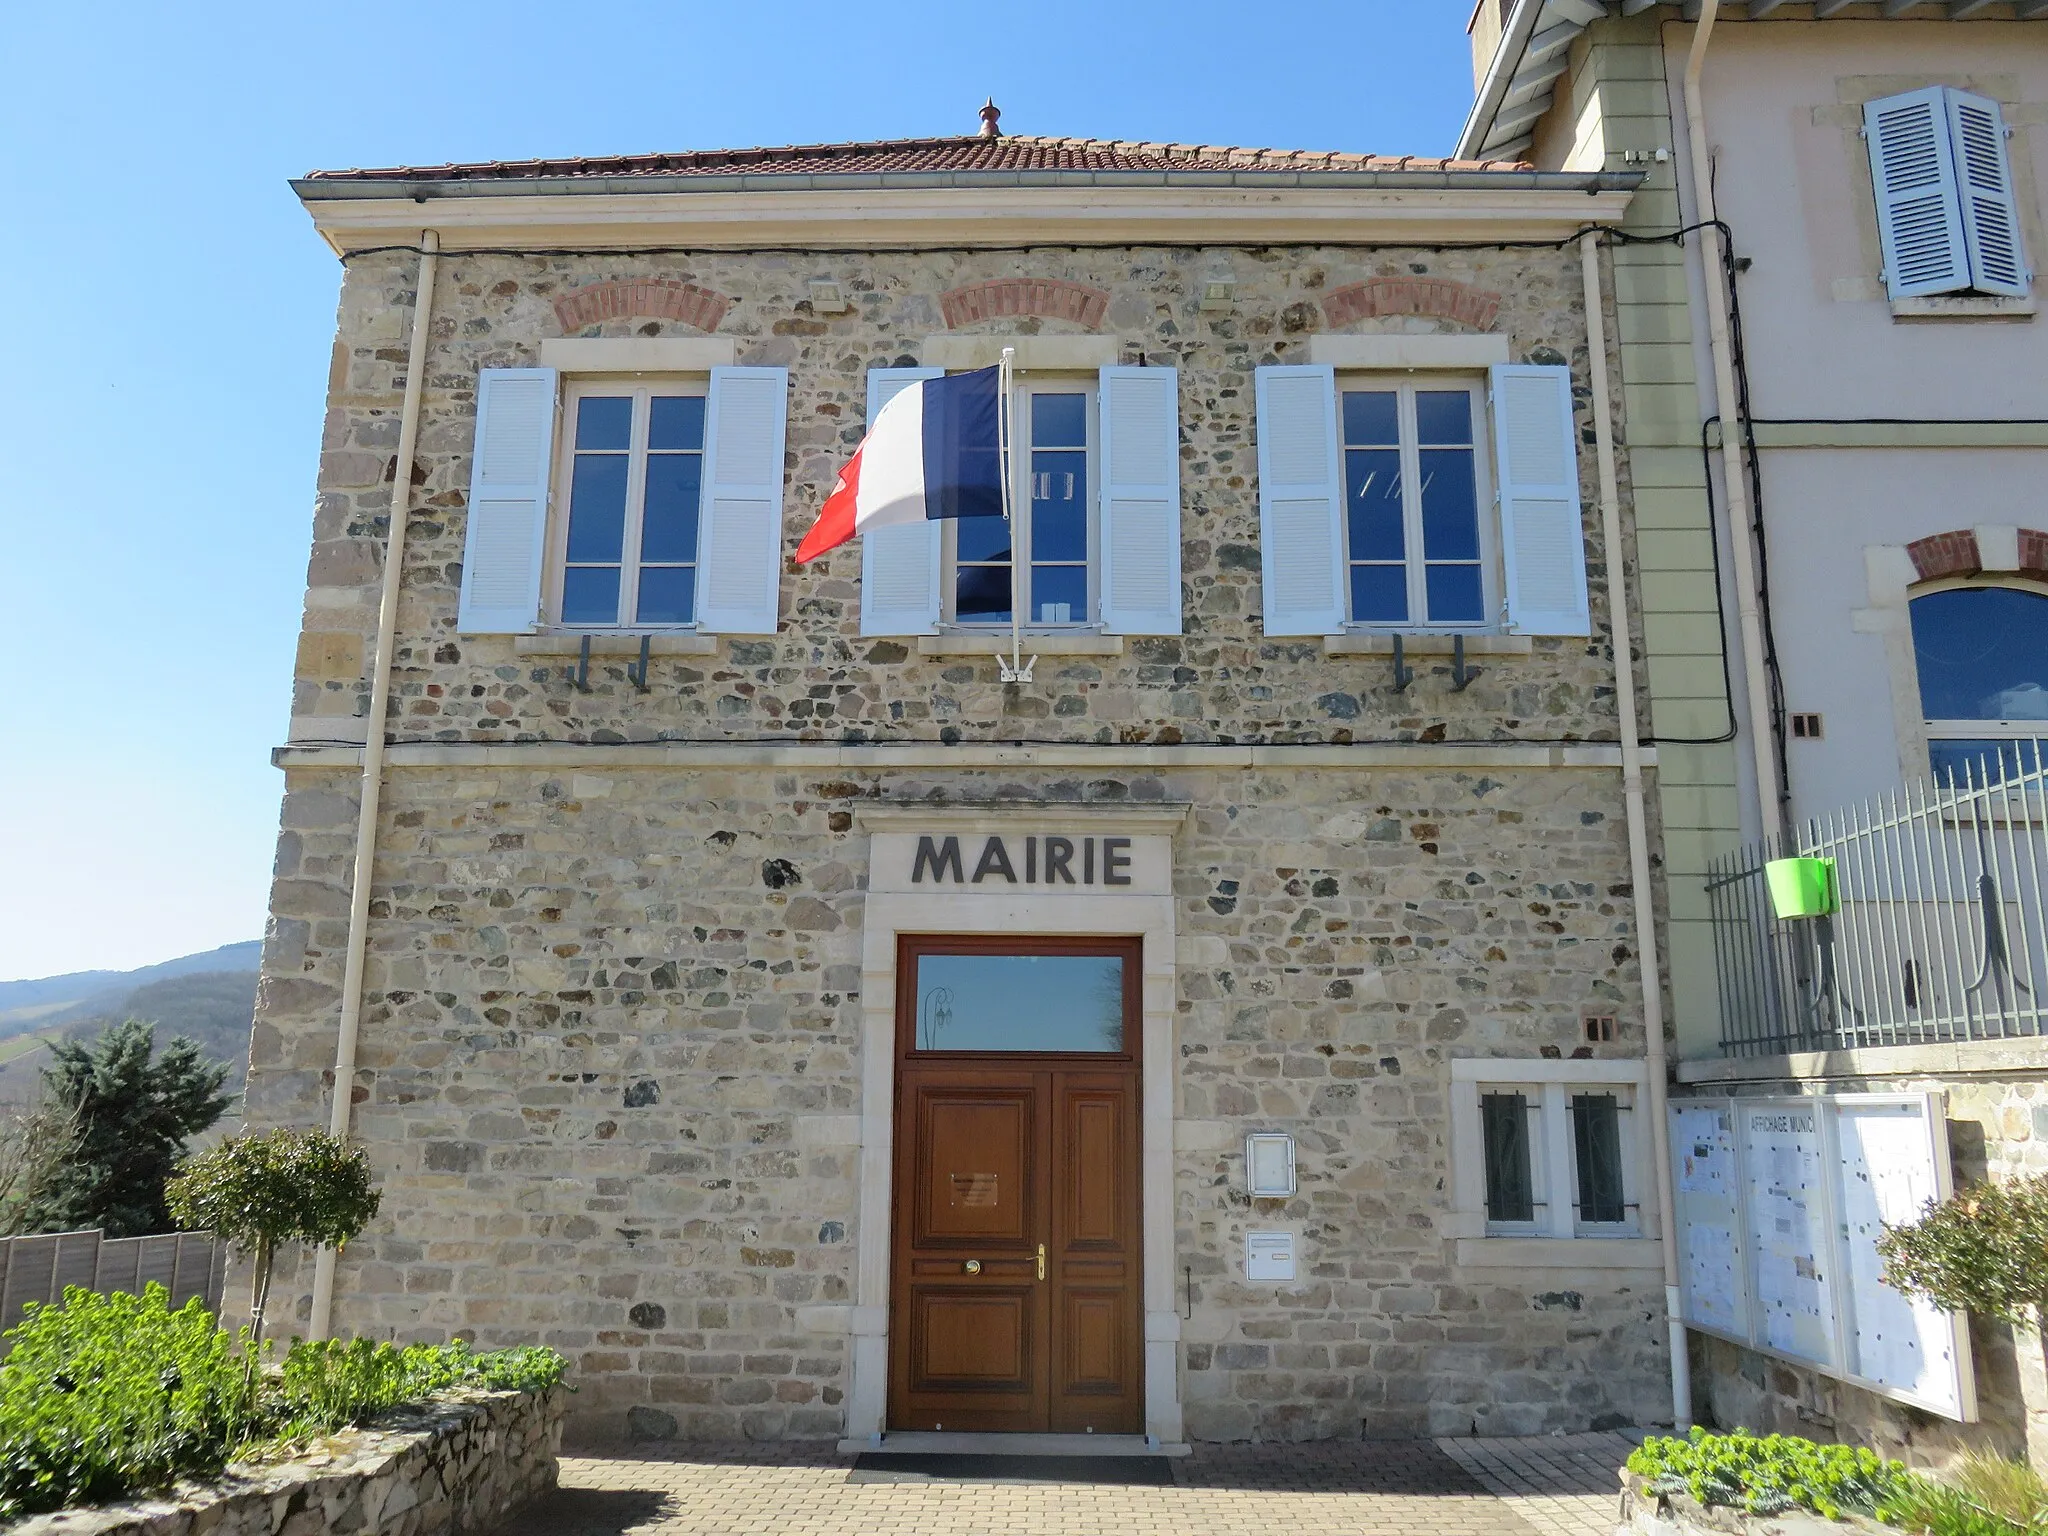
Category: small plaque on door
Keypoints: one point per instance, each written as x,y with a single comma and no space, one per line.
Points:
974,1189
1269,1255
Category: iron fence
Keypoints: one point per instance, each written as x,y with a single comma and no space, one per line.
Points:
1940,931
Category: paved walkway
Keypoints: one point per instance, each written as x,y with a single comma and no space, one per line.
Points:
1560,1486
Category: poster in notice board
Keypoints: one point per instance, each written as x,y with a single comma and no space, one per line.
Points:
1780,1203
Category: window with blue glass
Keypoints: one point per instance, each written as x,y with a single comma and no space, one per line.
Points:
1416,549
1982,657
635,476
1049,545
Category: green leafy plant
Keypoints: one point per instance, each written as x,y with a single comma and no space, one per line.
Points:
1768,1474
1984,1496
108,1395
1984,1250
284,1186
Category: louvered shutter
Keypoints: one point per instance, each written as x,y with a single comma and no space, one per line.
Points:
1543,544
1919,220
1991,214
1140,410
506,539
899,566
739,547
1301,500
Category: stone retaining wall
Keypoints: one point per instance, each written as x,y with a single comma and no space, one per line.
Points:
456,1467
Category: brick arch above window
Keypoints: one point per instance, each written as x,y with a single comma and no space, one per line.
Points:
1048,298
654,298
1960,552
1436,298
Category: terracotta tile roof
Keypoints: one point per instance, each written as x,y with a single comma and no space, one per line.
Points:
968,152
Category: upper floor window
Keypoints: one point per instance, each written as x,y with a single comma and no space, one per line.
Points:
1982,658
1415,554
1048,547
1947,217
625,501
1396,501
633,488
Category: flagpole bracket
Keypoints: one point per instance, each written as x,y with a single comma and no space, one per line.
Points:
1013,673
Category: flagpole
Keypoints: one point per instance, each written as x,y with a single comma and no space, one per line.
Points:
1014,670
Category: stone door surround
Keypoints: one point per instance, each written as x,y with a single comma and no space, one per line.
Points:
912,894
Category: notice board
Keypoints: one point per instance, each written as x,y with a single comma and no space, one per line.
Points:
1780,1203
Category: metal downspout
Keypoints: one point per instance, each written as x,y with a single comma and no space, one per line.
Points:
1638,828
1735,485
373,747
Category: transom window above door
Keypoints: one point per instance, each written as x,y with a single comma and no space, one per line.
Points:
634,492
980,995
1049,543
1414,554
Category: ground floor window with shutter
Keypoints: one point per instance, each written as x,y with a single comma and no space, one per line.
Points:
630,497
1050,545
1418,554
1547,1149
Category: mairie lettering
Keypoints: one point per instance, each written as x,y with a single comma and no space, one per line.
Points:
1050,860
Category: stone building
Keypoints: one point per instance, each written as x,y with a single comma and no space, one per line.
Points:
1233,1029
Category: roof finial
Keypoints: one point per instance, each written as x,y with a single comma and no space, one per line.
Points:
990,114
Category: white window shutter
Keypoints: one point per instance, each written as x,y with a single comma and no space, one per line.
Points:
1140,479
1543,543
739,542
1301,500
899,567
505,542
1991,214
1919,219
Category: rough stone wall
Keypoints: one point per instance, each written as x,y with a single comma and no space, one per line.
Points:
456,1469
818,679
1998,1127
605,1005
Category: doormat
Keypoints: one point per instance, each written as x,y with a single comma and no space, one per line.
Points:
906,1467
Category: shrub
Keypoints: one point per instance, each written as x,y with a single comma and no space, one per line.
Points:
1769,1474
284,1186
109,1395
1985,1250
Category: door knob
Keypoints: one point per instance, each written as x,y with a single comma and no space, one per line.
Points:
972,1266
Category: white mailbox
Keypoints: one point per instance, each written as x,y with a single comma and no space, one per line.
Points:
1269,1255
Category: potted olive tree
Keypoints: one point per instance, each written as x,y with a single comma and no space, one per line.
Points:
283,1186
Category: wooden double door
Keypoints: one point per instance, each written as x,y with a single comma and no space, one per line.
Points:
1016,1303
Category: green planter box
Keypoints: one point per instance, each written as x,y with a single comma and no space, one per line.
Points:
1802,887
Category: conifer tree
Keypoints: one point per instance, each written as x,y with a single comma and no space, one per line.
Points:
133,1117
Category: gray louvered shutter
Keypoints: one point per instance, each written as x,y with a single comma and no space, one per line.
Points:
1140,476
899,566
1919,220
505,541
739,550
1991,214
1301,500
1543,543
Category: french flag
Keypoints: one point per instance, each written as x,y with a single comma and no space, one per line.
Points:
933,451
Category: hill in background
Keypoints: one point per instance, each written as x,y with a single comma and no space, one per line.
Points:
209,998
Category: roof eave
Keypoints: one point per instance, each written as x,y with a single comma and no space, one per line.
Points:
1507,58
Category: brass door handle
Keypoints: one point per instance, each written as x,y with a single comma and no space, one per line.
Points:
972,1266
1041,1261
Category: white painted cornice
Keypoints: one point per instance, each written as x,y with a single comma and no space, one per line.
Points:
924,218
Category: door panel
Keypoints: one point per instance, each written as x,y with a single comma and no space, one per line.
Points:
1015,1301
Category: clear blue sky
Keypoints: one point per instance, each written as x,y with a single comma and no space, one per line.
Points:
169,313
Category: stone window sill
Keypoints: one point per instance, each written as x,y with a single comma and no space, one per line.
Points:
562,642
955,643
1559,1253
1381,643
1964,306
